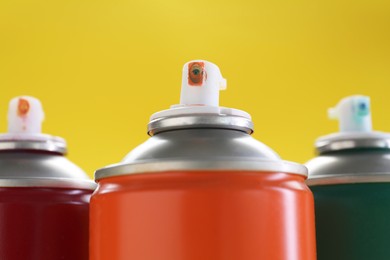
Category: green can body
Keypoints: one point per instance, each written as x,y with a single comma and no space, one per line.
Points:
352,204
352,221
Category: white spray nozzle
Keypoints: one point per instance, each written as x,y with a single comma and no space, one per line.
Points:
353,113
201,83
25,115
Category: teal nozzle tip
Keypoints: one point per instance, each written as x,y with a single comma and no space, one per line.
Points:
353,113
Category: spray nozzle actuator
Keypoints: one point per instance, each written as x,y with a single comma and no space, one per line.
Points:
201,83
25,115
353,113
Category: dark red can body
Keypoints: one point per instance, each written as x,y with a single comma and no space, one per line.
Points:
43,223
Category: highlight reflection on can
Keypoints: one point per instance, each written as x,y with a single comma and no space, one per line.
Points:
202,188
44,198
350,179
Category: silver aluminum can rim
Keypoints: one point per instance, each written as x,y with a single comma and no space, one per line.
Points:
200,121
165,166
48,183
52,145
349,178
349,144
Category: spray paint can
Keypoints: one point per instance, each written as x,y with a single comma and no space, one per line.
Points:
350,180
44,198
202,188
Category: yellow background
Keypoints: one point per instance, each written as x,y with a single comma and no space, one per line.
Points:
101,68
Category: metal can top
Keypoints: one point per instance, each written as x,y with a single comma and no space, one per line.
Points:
350,166
199,135
356,154
354,116
48,143
200,149
48,183
348,141
29,158
223,118
37,168
25,117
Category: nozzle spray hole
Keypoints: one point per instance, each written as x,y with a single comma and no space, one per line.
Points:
195,73
363,109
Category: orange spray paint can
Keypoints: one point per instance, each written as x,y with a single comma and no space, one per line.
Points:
202,188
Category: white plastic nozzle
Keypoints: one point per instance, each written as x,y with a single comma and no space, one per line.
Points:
353,113
25,115
201,83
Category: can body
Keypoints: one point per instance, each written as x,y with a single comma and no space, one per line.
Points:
44,207
44,223
352,221
192,215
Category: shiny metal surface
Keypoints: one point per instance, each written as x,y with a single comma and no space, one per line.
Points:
24,168
52,145
48,182
350,166
337,145
155,167
201,149
200,121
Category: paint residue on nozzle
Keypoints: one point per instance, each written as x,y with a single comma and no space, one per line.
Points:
196,74
353,113
201,83
23,107
25,115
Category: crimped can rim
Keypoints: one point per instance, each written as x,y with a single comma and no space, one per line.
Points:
349,178
48,182
186,165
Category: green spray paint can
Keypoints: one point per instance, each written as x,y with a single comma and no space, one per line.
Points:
350,179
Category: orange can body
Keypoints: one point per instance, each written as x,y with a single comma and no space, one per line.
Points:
208,215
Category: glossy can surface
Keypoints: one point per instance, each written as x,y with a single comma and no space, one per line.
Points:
353,221
43,223
205,215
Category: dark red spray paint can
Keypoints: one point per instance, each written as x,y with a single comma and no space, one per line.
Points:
44,198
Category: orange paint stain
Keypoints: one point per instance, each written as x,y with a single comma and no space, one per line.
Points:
23,107
196,73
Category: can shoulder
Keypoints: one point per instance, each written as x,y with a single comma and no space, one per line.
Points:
349,166
38,165
201,149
